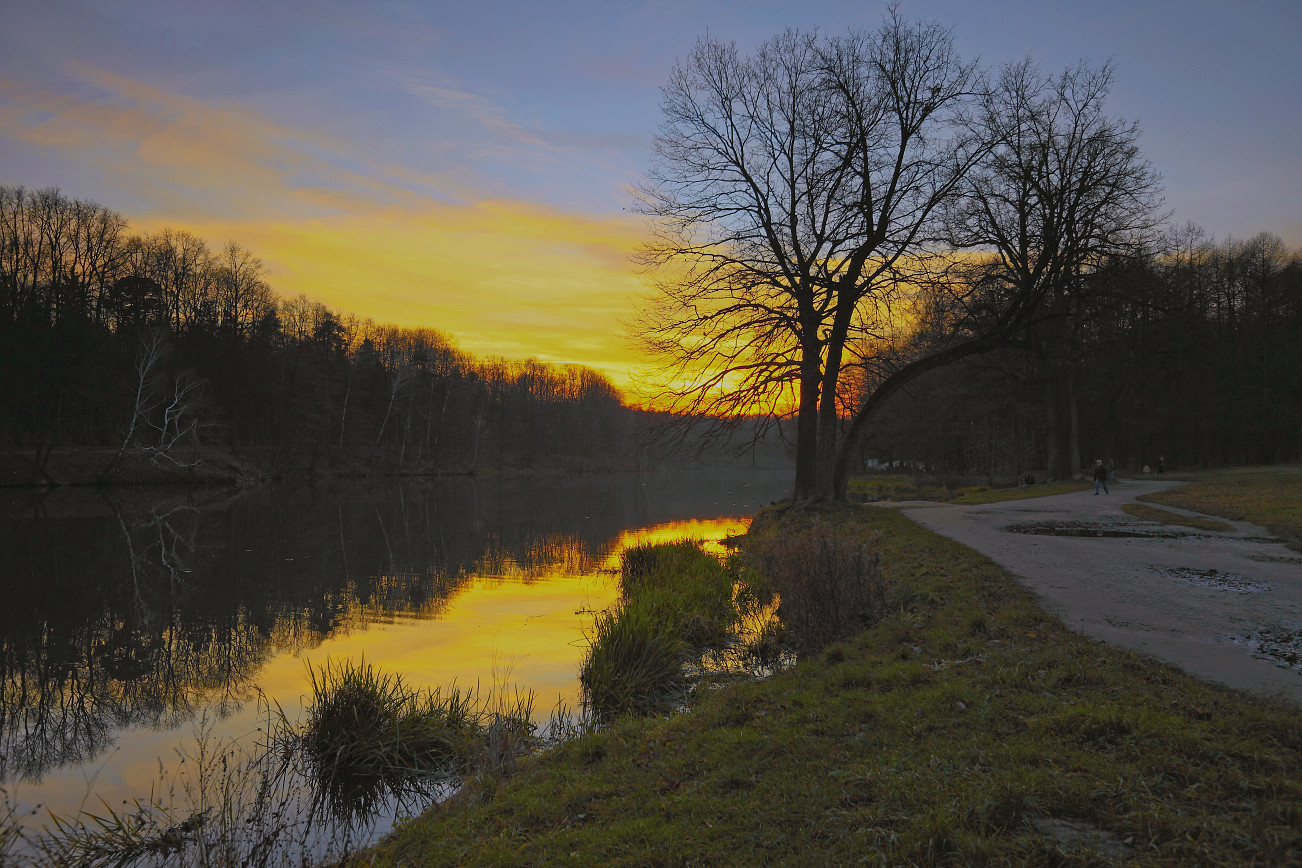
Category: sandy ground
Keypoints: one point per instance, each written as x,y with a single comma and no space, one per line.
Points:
1225,607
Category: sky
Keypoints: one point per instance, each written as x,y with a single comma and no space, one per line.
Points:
468,166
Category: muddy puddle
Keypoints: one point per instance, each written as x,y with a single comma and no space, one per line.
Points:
1278,644
1117,530
1214,579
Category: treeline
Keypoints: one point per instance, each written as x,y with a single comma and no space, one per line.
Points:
1192,353
155,351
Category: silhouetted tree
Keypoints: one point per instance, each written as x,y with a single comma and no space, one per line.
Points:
787,186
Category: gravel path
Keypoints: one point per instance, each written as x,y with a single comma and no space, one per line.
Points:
1225,607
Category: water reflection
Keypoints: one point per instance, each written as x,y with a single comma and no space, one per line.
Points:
128,614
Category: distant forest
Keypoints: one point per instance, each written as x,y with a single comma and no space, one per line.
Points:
155,354
1192,353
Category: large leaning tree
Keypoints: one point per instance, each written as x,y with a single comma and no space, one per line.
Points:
799,193
787,186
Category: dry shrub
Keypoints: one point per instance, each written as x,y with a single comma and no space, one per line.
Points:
830,587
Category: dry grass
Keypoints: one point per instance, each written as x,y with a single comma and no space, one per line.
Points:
1266,496
1145,512
830,586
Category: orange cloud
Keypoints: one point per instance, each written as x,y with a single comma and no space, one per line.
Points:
504,277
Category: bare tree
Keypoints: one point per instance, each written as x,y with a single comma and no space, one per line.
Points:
1065,189
167,410
786,188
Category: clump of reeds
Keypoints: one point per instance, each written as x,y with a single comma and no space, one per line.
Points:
676,600
370,735
689,589
635,660
830,586
363,722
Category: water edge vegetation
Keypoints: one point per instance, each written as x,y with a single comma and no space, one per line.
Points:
966,727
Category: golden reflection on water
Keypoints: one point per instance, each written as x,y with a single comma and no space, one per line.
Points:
510,623
710,531
513,623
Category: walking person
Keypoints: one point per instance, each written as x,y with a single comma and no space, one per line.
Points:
1100,477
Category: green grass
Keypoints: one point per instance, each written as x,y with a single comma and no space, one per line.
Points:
634,663
931,739
689,587
897,487
1151,513
1266,496
675,600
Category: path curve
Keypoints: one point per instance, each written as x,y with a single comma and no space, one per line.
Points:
1148,586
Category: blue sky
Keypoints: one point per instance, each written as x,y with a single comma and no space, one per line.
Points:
466,165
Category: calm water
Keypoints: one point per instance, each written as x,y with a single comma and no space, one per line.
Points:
127,617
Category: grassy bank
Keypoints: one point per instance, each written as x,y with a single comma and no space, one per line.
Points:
1268,496
899,487
966,727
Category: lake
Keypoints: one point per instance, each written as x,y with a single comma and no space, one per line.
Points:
131,619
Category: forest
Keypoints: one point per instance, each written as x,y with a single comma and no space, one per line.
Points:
154,356
1189,353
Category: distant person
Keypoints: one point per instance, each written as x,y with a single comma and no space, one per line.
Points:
1028,479
1161,464
1100,477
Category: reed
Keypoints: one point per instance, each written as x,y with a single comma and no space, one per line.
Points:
364,723
635,660
688,588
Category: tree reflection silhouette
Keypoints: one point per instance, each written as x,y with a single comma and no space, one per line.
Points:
141,609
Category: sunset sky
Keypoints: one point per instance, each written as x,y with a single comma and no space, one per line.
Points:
466,165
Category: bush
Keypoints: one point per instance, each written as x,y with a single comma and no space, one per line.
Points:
830,587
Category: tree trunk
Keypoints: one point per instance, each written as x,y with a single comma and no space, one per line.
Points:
806,485
1073,421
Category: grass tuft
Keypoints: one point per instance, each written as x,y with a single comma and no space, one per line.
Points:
369,736
1144,512
364,724
635,660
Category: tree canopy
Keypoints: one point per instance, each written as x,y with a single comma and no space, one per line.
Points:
800,194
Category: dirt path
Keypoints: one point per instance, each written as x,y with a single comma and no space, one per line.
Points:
1225,607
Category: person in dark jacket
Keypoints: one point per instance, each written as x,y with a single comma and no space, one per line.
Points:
1100,476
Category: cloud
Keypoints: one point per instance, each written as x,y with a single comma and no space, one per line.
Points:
505,279
503,276
215,157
